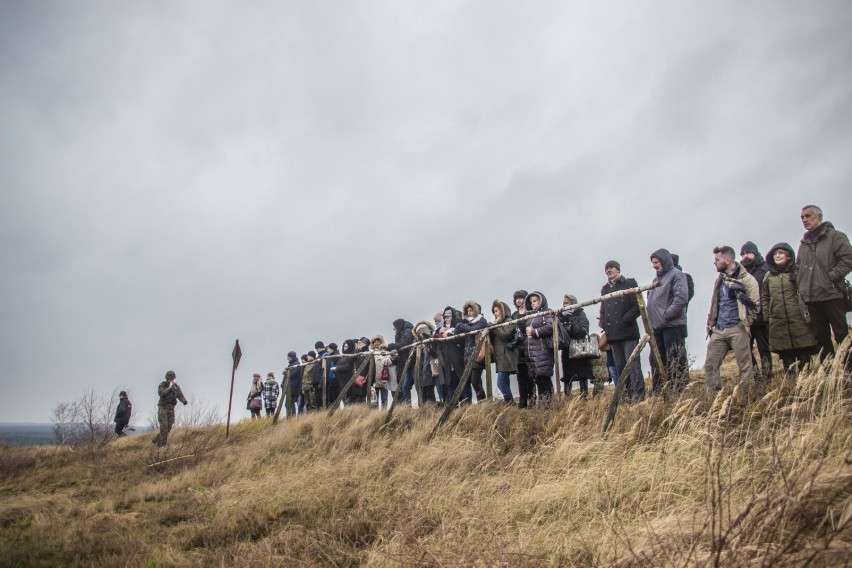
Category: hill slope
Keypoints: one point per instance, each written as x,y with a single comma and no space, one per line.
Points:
762,475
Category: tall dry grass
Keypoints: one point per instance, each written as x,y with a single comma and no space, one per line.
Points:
762,475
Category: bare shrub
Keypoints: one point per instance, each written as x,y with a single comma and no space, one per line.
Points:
85,421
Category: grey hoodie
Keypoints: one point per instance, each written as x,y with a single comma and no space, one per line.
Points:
667,303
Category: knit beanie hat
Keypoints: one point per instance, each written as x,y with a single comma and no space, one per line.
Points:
749,247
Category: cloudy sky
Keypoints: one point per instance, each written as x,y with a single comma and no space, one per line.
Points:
177,175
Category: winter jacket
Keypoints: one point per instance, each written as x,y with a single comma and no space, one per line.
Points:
296,371
825,258
345,366
425,329
377,343
450,353
788,329
745,313
618,316
505,360
758,269
473,323
271,392
356,392
540,344
123,412
667,302
170,396
404,335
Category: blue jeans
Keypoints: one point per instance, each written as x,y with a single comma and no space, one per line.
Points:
382,395
503,386
407,385
610,365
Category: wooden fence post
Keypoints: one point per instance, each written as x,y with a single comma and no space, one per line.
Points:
488,389
462,383
622,379
336,404
556,353
392,404
655,350
417,379
324,381
286,390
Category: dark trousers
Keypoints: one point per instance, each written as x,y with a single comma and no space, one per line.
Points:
760,335
428,394
828,317
545,386
795,360
474,385
621,351
526,387
670,342
119,428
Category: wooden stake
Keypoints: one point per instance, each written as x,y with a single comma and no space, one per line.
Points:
348,384
399,378
655,349
417,372
286,392
556,353
462,383
622,379
488,390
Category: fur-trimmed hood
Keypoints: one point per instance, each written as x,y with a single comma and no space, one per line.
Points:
420,328
505,311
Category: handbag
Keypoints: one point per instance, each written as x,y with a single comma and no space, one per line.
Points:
584,347
516,340
603,344
435,366
255,404
385,375
846,291
360,381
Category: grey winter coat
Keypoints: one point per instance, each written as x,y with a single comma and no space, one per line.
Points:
667,303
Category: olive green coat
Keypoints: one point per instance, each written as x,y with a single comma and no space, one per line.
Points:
825,258
788,329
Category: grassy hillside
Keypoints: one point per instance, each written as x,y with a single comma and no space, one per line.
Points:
761,476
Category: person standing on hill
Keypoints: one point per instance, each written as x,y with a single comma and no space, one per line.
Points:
753,261
505,359
403,336
271,392
169,392
618,318
540,332
667,312
825,258
473,321
733,307
255,396
577,325
122,413
293,389
526,385
789,333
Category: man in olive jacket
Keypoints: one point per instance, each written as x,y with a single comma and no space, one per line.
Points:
733,307
825,258
169,393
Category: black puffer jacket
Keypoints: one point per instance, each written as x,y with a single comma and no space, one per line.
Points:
540,344
451,352
403,335
618,316
577,325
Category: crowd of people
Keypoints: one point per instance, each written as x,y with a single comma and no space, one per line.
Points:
789,304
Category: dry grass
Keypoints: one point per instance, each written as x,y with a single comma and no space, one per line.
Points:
761,476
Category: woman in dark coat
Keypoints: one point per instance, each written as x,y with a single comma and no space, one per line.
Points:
789,334
505,359
424,330
473,321
450,354
580,370
540,344
343,369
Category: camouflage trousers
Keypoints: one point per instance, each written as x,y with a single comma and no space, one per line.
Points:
166,418
311,398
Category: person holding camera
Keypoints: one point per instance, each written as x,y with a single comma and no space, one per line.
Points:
169,393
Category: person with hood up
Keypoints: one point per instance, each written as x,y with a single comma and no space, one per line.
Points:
271,392
733,306
539,346
789,333
294,387
343,370
824,260
667,312
526,385
580,370
383,369
122,414
450,354
358,393
505,359
473,321
332,385
404,336
753,261
424,330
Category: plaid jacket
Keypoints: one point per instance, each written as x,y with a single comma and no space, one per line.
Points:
271,392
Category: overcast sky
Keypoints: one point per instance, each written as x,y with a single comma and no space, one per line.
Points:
177,175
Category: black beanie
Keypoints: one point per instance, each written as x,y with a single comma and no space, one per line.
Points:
749,247
519,294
